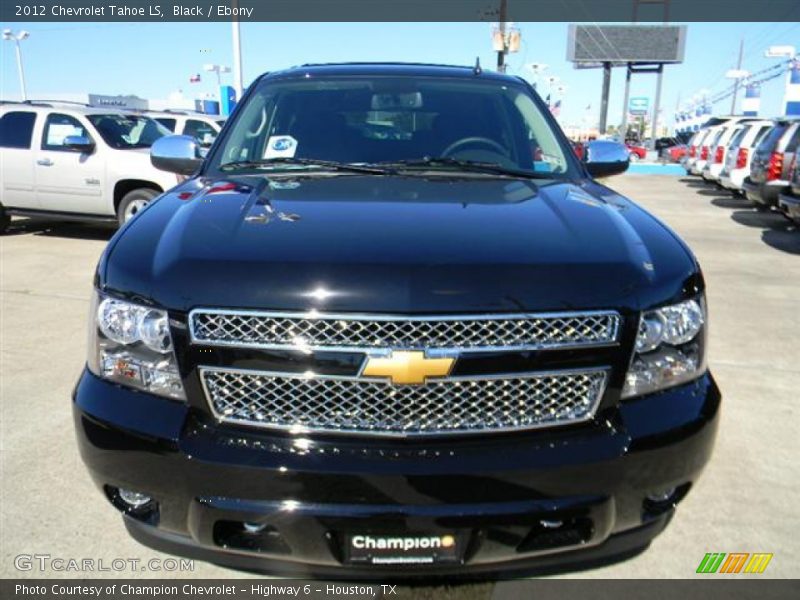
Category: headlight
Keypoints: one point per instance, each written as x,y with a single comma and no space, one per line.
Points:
131,344
670,348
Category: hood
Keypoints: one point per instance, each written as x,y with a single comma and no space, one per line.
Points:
395,244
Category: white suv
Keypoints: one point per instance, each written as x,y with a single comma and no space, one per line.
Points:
740,154
76,162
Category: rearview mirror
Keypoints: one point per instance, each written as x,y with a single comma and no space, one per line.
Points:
176,154
604,158
79,143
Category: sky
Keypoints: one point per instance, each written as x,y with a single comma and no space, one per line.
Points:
152,60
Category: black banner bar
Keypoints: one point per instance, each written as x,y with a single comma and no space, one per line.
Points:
705,587
397,10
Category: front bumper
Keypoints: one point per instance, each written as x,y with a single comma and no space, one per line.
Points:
493,493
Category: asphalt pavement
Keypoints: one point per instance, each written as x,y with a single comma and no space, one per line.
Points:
746,501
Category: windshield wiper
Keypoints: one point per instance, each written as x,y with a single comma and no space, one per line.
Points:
463,165
305,162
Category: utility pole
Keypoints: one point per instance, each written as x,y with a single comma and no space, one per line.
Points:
604,97
237,53
623,127
736,81
501,54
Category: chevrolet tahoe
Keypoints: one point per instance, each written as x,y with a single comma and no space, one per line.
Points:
392,327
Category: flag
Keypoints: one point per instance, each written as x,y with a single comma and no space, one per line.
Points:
556,108
547,100
195,78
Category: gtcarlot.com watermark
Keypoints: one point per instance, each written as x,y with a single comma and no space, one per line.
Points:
45,563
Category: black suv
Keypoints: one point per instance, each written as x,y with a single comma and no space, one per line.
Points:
391,327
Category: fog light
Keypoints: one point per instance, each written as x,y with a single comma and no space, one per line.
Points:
133,499
663,496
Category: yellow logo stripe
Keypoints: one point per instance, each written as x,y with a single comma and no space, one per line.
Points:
758,563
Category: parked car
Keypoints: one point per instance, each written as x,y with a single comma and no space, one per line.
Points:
789,200
674,154
704,149
369,316
664,143
77,162
718,149
740,154
204,127
769,169
637,152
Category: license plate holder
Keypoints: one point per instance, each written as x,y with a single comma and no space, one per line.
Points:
404,548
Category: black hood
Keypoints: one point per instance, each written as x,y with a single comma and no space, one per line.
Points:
396,244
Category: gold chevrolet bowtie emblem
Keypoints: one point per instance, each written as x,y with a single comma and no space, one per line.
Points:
407,367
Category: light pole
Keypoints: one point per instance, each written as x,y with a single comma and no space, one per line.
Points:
17,37
237,53
219,70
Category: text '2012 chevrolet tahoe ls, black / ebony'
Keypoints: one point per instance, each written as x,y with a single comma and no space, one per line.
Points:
391,327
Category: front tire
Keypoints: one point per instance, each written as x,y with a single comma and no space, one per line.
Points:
133,202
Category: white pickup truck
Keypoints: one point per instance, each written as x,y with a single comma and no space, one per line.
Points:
75,162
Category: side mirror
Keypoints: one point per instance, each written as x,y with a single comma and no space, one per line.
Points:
604,158
177,154
79,143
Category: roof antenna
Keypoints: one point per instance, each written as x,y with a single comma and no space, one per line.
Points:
477,68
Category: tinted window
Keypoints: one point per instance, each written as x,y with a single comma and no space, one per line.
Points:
200,130
16,129
759,135
391,119
128,131
57,128
791,145
168,123
771,139
737,137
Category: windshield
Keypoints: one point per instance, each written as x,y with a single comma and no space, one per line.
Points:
406,121
128,131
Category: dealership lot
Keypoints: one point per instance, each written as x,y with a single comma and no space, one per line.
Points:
746,501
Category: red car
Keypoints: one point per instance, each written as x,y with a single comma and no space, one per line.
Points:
674,153
636,152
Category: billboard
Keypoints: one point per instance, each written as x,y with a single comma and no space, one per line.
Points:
622,44
639,105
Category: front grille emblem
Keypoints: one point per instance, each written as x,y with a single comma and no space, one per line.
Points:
407,368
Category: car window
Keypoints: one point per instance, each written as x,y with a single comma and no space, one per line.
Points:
16,129
770,140
57,128
762,131
737,137
167,122
794,138
391,119
713,139
201,130
124,132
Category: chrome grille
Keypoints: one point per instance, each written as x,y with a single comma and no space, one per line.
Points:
446,406
343,332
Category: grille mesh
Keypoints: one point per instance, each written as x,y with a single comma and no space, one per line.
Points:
343,332
375,407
